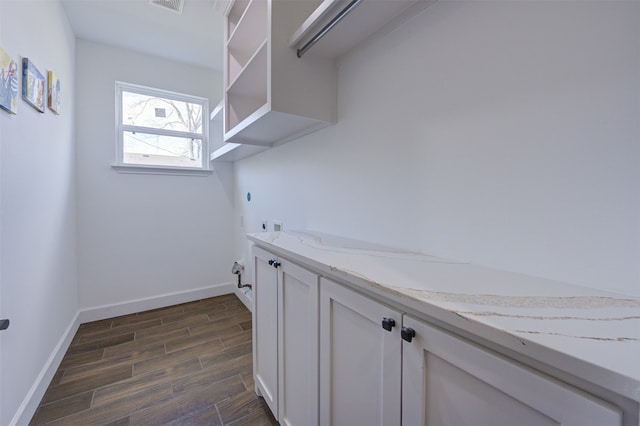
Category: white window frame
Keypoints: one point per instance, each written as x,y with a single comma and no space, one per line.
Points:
122,167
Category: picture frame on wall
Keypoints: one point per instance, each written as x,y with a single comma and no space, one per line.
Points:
9,84
54,98
33,85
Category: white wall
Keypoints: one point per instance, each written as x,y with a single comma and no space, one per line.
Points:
500,133
143,236
2,126
39,291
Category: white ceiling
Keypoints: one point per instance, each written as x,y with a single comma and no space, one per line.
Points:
193,37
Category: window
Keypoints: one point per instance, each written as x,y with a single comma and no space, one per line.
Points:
160,131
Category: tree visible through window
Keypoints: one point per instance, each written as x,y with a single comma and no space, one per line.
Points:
157,128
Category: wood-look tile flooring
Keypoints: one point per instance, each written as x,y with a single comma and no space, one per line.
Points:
187,364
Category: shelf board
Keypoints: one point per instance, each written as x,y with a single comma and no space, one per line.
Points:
251,81
234,13
217,112
240,114
252,27
216,126
256,65
236,151
271,128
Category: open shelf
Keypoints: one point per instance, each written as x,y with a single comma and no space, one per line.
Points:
242,69
246,40
248,92
265,103
239,108
251,81
252,26
235,14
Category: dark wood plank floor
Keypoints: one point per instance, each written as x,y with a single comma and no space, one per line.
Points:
186,364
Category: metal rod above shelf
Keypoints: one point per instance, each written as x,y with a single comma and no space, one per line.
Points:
334,21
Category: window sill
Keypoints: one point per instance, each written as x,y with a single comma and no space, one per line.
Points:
158,170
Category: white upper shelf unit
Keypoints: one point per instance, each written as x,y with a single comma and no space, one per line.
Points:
362,19
270,96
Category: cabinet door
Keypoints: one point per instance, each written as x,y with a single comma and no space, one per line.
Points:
298,345
360,362
265,328
447,381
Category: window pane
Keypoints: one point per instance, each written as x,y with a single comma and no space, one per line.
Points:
158,150
161,113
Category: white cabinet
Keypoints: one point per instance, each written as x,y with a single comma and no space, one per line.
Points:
447,381
360,362
270,95
286,338
325,354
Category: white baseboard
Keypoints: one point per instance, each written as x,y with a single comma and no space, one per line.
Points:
118,309
246,298
27,409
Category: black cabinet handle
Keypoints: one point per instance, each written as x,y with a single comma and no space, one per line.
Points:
274,263
4,324
388,323
407,333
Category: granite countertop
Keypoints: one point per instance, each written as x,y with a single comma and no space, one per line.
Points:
590,334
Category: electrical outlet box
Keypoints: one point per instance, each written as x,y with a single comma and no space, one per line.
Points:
264,226
277,225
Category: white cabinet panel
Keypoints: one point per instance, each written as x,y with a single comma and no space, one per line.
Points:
298,345
265,328
360,362
448,381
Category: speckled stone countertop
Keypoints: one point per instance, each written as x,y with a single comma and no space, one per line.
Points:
587,333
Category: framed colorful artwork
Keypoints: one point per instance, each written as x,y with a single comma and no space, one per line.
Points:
54,96
33,85
8,83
